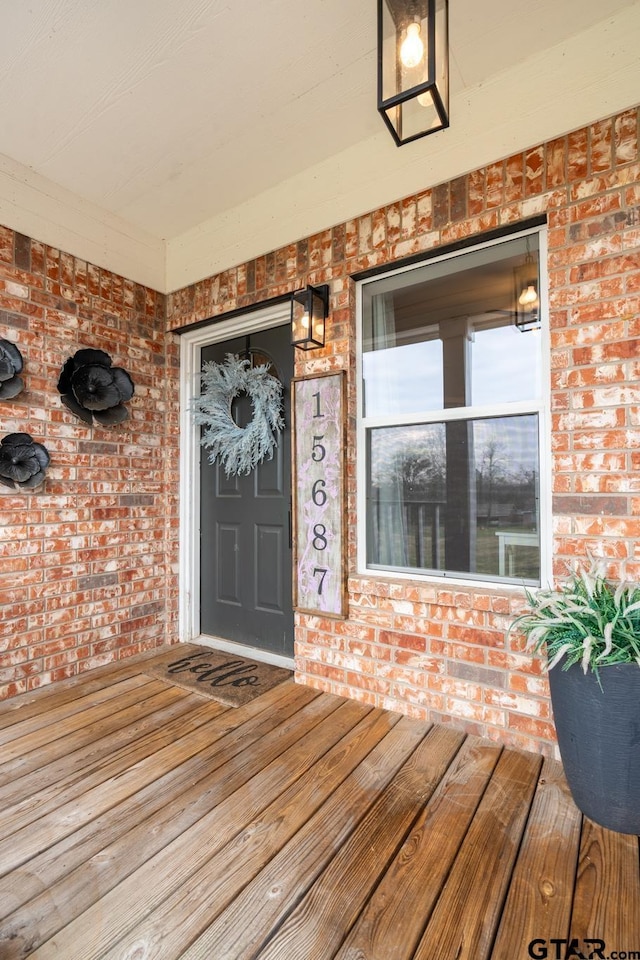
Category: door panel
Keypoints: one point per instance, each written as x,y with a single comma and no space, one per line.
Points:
227,566
245,549
268,574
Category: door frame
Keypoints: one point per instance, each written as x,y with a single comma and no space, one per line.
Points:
191,345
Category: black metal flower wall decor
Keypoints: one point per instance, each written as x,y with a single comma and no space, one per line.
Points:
10,366
22,461
93,389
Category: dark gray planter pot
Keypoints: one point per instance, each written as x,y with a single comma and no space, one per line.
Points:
599,739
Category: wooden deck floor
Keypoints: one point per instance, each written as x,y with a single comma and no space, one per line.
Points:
140,821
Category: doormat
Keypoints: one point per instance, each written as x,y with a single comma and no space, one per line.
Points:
226,677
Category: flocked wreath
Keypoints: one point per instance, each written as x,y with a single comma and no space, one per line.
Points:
239,449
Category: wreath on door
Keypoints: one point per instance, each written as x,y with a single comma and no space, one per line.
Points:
238,449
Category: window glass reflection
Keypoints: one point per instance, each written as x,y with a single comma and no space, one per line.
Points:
460,496
444,335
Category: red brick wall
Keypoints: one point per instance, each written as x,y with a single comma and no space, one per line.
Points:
424,648
87,561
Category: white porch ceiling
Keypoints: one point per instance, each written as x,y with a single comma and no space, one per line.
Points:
181,136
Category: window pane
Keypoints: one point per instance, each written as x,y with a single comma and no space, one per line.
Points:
460,496
505,365
393,378
445,334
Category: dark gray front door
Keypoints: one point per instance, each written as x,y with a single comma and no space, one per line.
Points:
245,546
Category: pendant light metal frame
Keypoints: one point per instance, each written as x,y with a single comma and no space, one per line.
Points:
404,14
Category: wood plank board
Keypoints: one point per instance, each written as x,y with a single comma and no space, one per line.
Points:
298,827
62,861
107,717
316,926
29,733
541,890
465,918
122,907
37,703
99,797
70,789
393,921
261,906
607,871
159,710
168,929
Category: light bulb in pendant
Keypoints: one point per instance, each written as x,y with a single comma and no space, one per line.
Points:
529,296
412,49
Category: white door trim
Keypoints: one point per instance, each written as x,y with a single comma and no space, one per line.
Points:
191,345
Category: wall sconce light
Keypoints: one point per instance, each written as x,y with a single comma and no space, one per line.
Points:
527,300
413,67
309,311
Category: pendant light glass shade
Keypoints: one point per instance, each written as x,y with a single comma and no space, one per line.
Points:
413,67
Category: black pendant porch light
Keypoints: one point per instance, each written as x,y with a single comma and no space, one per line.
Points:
309,311
527,300
413,67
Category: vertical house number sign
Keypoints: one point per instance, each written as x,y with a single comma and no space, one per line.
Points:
319,493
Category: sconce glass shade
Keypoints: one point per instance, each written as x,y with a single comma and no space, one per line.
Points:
526,296
309,311
413,67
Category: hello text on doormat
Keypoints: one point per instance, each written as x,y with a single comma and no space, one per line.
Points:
227,678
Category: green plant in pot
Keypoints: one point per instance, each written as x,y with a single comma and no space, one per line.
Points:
590,628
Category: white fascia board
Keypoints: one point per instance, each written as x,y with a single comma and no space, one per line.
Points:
44,211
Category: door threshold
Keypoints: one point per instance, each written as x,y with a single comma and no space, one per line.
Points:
243,650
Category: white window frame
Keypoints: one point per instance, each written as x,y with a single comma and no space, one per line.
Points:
192,343
541,407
